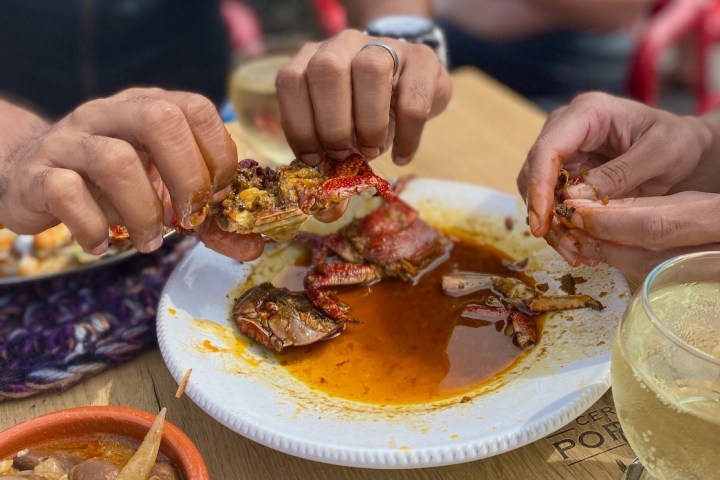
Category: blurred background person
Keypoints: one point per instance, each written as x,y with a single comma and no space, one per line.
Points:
547,50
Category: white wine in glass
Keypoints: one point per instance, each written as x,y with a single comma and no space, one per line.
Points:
252,92
666,369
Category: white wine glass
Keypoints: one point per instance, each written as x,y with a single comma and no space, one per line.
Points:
666,370
253,95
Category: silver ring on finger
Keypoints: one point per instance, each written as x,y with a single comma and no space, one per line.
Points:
388,48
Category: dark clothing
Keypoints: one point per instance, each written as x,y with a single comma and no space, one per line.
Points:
56,54
549,68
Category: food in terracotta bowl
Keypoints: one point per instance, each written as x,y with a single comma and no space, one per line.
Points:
99,443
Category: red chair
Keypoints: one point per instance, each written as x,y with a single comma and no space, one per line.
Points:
245,29
671,21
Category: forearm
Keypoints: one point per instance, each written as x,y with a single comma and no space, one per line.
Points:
361,12
592,14
706,177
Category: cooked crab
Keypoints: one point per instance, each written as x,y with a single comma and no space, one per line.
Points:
515,296
391,241
276,202
278,318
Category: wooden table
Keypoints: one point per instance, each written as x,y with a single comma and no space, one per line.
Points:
482,138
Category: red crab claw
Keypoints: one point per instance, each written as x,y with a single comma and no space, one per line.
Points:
350,177
335,274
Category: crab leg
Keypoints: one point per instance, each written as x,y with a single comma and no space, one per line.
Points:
520,325
517,291
335,274
524,328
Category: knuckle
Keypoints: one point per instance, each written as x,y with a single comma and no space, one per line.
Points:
374,63
200,107
290,78
616,173
61,187
327,63
111,159
590,98
659,229
160,113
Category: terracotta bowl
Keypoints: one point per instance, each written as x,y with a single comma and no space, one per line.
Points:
128,422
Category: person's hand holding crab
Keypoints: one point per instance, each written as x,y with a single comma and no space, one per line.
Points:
641,185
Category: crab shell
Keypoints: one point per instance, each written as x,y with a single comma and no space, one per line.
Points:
278,318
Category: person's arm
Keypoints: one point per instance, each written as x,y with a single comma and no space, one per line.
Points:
140,159
361,12
644,187
706,178
592,14
507,19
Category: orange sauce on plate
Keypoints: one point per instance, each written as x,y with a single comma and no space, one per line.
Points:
411,344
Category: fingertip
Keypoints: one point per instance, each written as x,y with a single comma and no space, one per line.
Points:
234,245
401,160
534,224
311,159
332,213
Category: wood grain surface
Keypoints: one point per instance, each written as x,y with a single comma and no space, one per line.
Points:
482,138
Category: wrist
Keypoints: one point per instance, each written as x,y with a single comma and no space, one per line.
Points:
411,29
17,126
708,171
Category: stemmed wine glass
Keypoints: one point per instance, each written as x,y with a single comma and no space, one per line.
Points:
666,369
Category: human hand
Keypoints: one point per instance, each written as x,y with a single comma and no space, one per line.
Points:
636,234
621,150
140,158
618,148
338,96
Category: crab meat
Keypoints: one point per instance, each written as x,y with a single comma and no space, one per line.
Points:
276,202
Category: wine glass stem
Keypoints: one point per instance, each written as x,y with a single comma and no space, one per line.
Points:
634,470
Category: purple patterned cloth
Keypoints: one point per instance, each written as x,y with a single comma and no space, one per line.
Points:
56,332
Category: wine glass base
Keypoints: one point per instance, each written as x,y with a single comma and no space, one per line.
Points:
634,471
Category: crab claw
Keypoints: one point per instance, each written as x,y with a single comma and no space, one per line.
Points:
278,318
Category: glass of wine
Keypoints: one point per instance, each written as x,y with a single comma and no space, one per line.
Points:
666,369
252,92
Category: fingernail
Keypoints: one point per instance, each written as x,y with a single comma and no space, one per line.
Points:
369,152
312,159
152,245
534,222
194,219
339,154
402,160
100,249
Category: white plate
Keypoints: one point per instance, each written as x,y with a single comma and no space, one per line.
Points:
245,390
